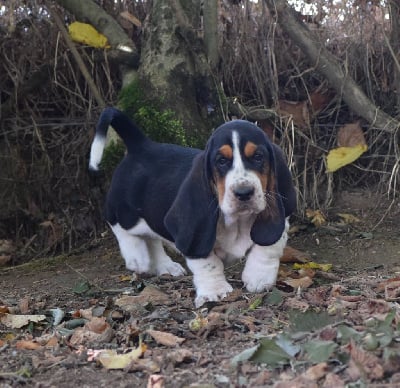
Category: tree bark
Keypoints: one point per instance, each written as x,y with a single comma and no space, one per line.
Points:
210,27
329,67
174,65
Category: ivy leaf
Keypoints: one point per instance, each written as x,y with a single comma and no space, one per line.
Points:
309,320
319,351
270,353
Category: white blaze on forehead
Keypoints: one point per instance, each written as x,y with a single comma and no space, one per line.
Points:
237,158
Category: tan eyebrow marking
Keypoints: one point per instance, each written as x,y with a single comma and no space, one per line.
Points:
250,149
226,151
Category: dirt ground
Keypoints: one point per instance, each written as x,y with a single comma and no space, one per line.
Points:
341,330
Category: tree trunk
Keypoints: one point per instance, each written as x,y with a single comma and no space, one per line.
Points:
327,65
174,65
210,28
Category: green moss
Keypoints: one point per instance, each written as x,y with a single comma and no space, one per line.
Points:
112,155
159,124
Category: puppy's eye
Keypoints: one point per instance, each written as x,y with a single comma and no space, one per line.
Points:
258,157
222,161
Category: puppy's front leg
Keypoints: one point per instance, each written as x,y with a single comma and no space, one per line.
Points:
209,279
262,264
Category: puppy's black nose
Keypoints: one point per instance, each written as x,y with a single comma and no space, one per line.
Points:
243,193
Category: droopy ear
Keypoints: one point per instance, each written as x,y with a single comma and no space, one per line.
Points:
192,218
281,201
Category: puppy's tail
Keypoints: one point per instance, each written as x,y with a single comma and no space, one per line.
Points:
125,128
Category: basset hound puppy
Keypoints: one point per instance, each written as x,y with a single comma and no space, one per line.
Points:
228,202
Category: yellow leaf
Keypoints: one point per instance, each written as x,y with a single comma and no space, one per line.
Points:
339,157
87,34
111,360
316,217
348,218
313,265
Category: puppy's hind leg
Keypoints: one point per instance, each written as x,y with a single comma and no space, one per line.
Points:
134,250
161,263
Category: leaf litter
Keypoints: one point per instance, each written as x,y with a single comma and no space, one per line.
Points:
326,333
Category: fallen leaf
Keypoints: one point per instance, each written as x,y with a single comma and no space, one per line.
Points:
351,135
319,351
316,217
340,157
97,325
296,111
125,278
149,294
4,259
179,355
304,282
332,380
95,331
24,305
155,381
27,345
292,255
18,321
348,218
164,338
368,364
270,353
111,360
313,265
316,372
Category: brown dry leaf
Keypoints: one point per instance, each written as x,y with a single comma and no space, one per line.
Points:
18,321
143,365
149,294
366,362
296,304
348,218
156,381
179,355
7,247
4,310
380,287
316,217
4,259
164,338
292,255
2,343
97,325
297,111
27,345
351,135
319,101
304,282
131,18
84,335
332,380
298,382
24,305
316,372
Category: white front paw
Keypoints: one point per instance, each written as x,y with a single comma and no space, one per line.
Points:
258,283
212,293
170,268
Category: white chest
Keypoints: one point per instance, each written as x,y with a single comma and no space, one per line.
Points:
233,238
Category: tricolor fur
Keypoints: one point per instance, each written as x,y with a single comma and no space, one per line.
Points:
230,201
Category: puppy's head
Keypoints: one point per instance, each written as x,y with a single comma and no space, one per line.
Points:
240,173
242,162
